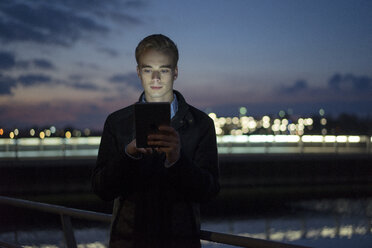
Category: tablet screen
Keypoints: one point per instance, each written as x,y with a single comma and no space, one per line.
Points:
148,117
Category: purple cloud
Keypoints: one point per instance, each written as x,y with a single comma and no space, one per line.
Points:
350,82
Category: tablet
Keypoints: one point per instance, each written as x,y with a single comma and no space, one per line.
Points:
148,117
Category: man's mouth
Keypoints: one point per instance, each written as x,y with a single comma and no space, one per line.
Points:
156,87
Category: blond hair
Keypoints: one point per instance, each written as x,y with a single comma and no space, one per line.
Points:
158,42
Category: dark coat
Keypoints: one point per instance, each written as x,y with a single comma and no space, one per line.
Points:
157,206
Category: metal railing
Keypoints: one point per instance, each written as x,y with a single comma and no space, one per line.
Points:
66,214
227,144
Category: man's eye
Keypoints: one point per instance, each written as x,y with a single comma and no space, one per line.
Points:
146,70
165,71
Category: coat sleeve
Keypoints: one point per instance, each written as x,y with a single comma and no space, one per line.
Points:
114,171
197,178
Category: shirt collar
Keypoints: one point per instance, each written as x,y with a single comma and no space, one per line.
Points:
174,104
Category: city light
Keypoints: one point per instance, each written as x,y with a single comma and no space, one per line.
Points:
219,131
341,139
53,129
309,121
86,131
237,143
42,135
329,138
76,133
213,116
243,131
243,110
53,142
29,142
287,138
261,138
312,138
323,121
68,135
353,139
48,133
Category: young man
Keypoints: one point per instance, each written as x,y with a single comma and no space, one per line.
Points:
157,191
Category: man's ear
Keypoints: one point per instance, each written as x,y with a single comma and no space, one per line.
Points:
138,72
175,73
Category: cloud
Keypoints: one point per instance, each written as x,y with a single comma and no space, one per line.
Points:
29,80
6,84
85,86
300,85
340,86
349,82
32,79
43,64
130,79
7,60
135,4
89,65
44,24
109,51
58,22
75,77
35,63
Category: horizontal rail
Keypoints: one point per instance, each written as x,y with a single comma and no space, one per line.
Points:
58,147
90,215
7,245
50,208
242,241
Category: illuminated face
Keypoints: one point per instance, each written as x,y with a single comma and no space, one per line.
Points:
157,73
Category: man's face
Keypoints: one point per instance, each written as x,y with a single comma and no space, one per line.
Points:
157,73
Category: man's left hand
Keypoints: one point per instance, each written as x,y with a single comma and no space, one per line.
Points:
167,141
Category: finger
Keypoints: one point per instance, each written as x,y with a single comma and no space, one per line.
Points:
161,143
154,137
167,150
167,129
149,150
145,150
141,150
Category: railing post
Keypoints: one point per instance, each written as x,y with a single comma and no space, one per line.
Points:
16,148
68,232
303,228
64,148
267,229
301,145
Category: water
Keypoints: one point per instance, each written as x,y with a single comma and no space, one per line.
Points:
317,223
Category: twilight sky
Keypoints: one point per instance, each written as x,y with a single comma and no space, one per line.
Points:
68,62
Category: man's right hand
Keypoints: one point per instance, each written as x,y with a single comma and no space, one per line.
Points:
133,151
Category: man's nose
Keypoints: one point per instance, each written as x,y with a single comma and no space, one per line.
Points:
155,75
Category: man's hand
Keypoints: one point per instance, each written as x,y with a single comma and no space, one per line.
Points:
134,151
167,141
